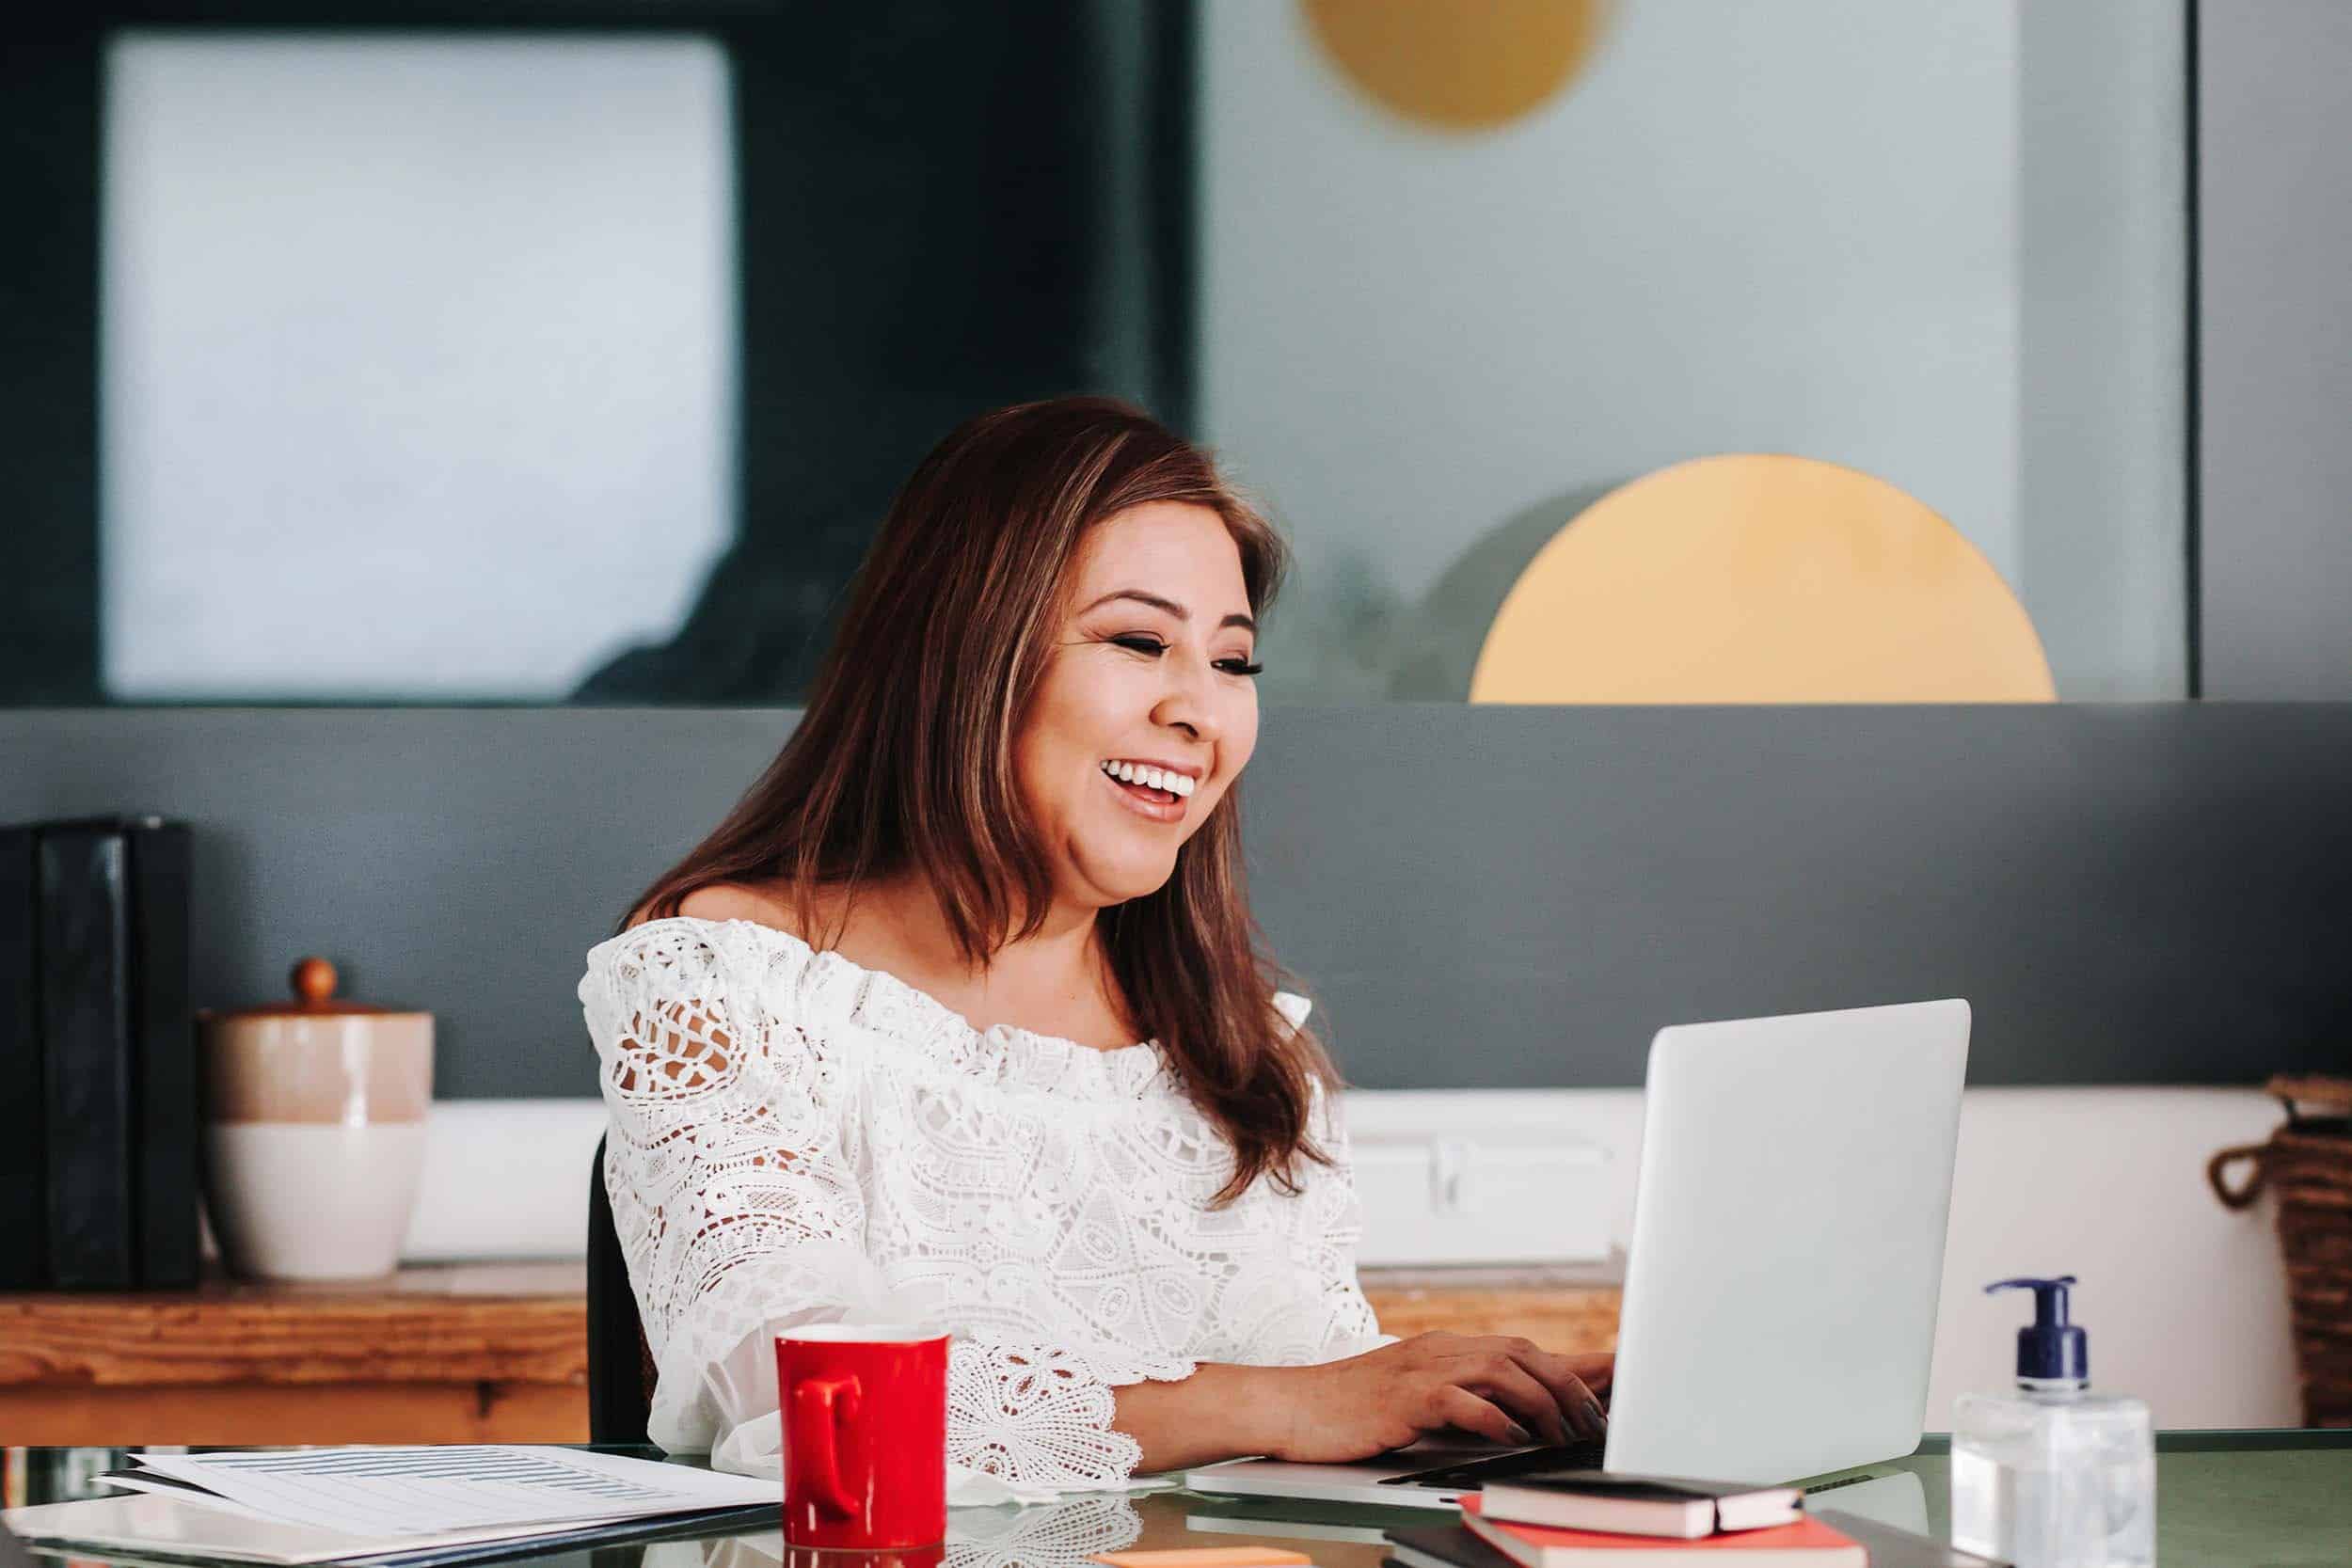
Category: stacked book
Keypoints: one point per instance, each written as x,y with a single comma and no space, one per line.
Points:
98,1076
1592,1519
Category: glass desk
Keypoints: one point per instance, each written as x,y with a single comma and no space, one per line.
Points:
2276,1499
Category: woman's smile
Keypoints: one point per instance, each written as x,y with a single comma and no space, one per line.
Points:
1144,799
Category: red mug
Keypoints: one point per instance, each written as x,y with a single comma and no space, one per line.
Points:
864,1415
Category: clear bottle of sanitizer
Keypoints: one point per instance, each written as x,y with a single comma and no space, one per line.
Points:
2052,1476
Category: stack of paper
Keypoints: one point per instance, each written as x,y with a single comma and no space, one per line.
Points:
394,1507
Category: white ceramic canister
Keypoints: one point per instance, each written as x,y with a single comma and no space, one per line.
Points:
314,1119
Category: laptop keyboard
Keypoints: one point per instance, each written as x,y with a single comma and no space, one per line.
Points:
1468,1478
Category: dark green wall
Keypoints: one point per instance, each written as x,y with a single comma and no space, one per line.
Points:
1477,896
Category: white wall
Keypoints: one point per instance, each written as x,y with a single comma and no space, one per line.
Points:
2185,1301
2275,372
1937,243
2103,340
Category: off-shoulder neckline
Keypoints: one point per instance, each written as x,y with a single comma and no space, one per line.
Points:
911,995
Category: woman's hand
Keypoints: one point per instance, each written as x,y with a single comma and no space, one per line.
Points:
1505,1388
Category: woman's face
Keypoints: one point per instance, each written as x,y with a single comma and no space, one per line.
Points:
1150,668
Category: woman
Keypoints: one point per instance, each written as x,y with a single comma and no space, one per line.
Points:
871,1048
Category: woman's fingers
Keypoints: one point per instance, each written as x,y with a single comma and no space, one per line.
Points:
1573,1393
1558,1397
1455,1406
1502,1378
1598,1371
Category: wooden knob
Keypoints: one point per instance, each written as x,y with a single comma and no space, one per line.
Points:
314,981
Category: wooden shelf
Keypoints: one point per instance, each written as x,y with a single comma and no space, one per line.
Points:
488,1352
455,1354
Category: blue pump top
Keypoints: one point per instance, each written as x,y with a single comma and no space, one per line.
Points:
2050,1347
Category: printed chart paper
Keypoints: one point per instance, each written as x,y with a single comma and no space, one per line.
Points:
432,1490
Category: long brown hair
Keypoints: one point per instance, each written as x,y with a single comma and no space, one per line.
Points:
904,759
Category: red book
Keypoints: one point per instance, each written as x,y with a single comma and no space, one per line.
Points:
1809,1542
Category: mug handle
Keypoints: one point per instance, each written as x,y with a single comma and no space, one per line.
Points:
818,1405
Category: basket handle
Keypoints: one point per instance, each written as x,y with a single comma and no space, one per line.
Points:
2216,1174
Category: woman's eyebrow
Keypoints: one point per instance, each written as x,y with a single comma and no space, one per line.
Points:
1170,606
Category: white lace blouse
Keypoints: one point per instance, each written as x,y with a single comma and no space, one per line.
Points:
795,1138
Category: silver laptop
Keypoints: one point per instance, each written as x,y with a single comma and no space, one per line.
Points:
1780,1290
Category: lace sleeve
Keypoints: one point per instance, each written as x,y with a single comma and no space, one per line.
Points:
1039,1418
734,1210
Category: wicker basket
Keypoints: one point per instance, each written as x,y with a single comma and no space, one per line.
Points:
2307,1166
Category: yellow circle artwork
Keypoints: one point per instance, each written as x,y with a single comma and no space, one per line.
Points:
1462,65
1760,579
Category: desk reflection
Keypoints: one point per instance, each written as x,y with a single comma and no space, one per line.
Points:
1042,1535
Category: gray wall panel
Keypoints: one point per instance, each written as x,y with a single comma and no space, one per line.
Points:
2274,299
1478,896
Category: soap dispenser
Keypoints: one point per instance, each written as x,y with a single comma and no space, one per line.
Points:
2049,1475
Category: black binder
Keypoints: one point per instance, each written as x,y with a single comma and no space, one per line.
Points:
163,1070
23,1143
86,1009
99,1114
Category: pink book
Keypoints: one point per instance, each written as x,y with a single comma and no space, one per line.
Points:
1809,1542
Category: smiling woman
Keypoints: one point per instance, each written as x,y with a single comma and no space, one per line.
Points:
1058,585
870,1050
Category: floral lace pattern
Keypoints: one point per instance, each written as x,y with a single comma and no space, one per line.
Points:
796,1138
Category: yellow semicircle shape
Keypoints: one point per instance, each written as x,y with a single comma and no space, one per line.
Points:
1460,65
1761,579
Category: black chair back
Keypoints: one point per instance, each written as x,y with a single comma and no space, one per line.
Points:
620,1386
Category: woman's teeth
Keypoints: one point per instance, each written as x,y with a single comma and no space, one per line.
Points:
1178,785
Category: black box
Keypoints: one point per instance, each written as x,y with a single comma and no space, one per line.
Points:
24,1117
99,1119
84,954
164,1068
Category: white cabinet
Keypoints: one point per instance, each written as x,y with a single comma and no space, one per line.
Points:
1475,1177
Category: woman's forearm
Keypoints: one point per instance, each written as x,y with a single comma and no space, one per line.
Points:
1220,1412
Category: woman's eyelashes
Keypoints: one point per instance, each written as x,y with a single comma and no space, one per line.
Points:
1153,647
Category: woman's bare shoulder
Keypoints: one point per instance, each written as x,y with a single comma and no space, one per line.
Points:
763,903
732,901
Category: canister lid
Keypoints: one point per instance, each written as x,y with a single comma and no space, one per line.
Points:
313,982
